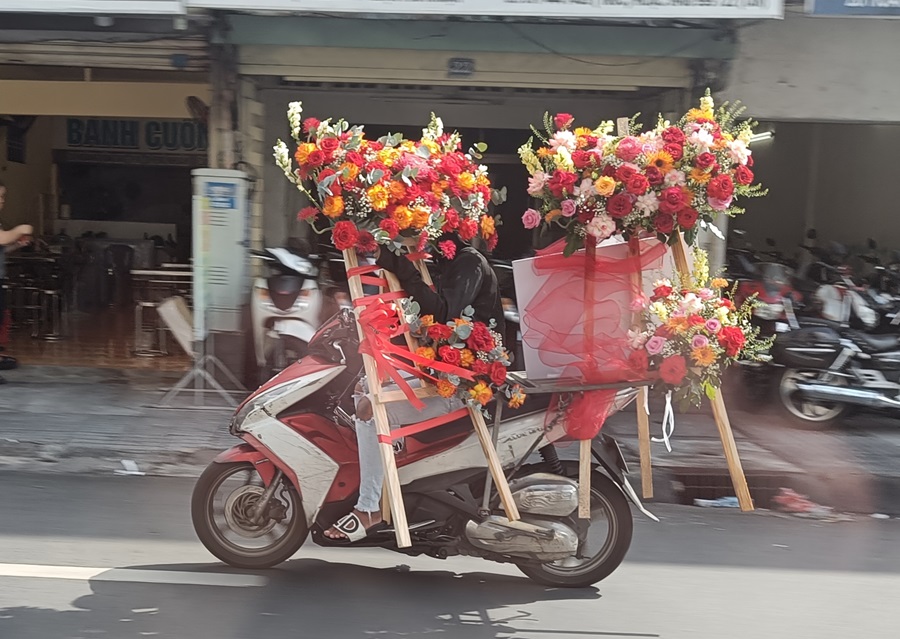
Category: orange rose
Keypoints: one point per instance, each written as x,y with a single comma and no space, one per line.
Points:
425,351
481,393
420,218
349,172
403,217
719,282
398,191
445,388
605,186
466,181
466,358
427,320
333,206
378,196
303,151
488,226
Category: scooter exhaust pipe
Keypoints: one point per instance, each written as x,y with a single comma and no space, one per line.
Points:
855,396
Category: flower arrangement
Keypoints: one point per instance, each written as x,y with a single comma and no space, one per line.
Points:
674,178
391,191
692,333
470,346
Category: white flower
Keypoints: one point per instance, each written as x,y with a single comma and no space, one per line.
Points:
675,178
701,139
564,139
637,339
739,151
563,158
691,304
585,188
601,227
295,118
663,282
648,203
659,309
706,103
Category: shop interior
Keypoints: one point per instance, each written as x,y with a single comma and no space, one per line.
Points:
110,201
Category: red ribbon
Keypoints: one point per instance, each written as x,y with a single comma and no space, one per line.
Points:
554,322
428,424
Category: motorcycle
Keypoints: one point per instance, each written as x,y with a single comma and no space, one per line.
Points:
287,307
297,472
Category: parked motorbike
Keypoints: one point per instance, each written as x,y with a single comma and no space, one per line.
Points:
298,471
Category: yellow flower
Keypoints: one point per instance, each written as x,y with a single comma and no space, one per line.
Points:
408,146
488,226
544,152
679,324
431,145
445,388
517,397
467,358
704,356
481,393
582,131
420,218
303,152
350,171
378,196
387,156
483,180
605,185
333,206
425,351
697,114
466,181
662,160
719,282
403,217
700,176
659,309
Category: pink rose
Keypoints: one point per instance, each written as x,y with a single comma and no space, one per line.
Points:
720,205
706,293
655,344
628,148
568,208
531,219
699,341
713,325
536,183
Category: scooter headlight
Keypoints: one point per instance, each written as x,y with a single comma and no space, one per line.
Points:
258,405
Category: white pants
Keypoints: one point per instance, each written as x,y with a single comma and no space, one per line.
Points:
371,470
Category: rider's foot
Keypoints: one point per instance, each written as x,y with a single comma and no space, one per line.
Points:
354,526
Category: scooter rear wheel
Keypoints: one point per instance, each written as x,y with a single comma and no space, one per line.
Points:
605,548
221,510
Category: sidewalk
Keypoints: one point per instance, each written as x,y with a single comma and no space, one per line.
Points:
88,420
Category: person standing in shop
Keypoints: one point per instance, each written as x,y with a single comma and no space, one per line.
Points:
9,241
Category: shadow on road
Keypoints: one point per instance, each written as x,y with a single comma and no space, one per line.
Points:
315,599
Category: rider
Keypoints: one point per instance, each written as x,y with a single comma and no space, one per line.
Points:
465,280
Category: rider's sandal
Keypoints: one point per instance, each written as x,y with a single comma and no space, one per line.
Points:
351,526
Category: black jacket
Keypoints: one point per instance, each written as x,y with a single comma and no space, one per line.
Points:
466,280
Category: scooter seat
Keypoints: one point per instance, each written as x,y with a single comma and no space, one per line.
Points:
875,343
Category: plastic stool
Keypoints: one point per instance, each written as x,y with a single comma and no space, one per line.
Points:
142,346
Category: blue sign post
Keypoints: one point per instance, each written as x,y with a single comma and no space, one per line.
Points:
854,8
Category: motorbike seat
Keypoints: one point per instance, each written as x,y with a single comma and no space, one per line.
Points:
534,404
875,343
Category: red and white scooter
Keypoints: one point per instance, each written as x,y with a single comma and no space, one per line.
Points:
298,471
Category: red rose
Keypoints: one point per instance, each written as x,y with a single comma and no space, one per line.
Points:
315,158
481,338
654,176
673,135
375,145
732,339
687,218
479,367
563,120
625,172
307,213
562,183
468,229
671,200
720,187
673,370
591,140
661,292
705,161
696,320
354,157
329,145
750,161
451,220
498,373
637,184
663,331
453,164
609,171
619,205
582,159
366,242
675,150
743,175
344,235
664,223
390,227
439,332
310,125
639,361
448,354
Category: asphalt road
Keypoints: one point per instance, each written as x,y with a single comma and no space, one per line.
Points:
115,557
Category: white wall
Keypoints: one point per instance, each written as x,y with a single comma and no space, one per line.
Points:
827,69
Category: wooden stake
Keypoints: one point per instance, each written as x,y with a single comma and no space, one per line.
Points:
382,427
584,479
720,414
643,418
584,450
494,465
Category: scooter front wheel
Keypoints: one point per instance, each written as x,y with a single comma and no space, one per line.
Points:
223,510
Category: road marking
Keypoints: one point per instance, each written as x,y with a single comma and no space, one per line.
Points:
132,575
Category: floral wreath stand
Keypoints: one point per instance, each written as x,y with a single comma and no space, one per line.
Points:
392,496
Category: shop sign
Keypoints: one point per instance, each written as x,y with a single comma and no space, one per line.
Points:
854,8
96,7
145,136
576,9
